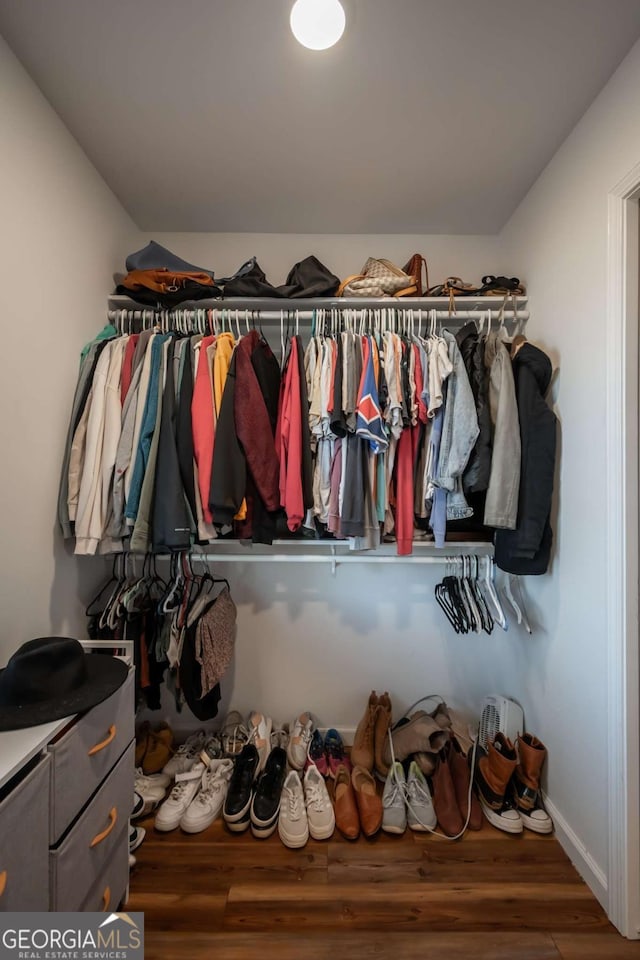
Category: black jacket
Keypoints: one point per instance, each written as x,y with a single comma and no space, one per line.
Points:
171,529
526,549
478,470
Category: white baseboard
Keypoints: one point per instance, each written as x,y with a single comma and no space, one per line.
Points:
347,734
590,871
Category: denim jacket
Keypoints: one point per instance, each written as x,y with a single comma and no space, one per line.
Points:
459,433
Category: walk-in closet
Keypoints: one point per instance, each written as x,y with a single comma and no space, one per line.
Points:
320,492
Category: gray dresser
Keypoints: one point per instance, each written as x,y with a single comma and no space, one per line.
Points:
64,813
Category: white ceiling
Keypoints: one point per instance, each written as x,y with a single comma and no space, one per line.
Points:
430,116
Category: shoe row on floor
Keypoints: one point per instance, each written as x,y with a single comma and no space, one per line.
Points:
264,777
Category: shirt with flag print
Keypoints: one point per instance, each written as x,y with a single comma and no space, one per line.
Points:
369,423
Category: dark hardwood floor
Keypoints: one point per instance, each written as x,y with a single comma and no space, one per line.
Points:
487,897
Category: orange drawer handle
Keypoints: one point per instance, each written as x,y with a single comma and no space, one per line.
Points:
3,881
99,837
106,898
105,743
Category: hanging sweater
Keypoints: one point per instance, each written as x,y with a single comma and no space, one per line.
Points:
244,440
289,442
202,420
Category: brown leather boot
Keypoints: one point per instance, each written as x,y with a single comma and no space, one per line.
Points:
461,776
420,734
381,735
492,777
441,716
444,796
362,751
142,742
526,781
426,762
159,749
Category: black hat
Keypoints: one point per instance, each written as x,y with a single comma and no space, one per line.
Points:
52,677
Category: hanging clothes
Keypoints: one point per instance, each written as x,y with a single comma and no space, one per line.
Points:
526,550
365,433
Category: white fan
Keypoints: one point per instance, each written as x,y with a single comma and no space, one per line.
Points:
499,715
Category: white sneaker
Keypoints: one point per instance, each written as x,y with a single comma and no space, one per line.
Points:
155,781
322,820
234,734
208,802
537,820
152,789
186,755
394,815
299,740
421,815
280,737
507,818
260,735
293,825
173,809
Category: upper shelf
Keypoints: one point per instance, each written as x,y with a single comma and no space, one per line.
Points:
275,304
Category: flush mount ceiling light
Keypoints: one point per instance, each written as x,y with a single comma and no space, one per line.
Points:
317,24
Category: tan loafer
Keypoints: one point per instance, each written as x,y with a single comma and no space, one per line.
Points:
346,809
369,803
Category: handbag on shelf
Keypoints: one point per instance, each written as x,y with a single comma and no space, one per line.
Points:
378,278
454,286
168,287
414,270
501,286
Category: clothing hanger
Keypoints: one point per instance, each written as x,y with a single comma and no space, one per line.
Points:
445,599
104,616
173,593
445,602
282,338
462,594
90,612
518,607
486,619
476,619
491,595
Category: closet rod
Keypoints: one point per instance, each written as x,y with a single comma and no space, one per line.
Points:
338,558
276,304
333,559
292,314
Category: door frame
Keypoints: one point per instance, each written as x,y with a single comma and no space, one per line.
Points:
622,554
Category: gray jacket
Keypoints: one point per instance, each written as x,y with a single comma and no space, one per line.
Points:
87,368
459,434
141,534
501,508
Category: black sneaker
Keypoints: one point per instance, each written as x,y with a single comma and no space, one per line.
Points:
136,836
237,804
138,806
266,799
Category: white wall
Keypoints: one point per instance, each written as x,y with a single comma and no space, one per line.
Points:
559,233
62,234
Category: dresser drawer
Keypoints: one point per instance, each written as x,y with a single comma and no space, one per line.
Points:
111,886
79,862
24,847
86,753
